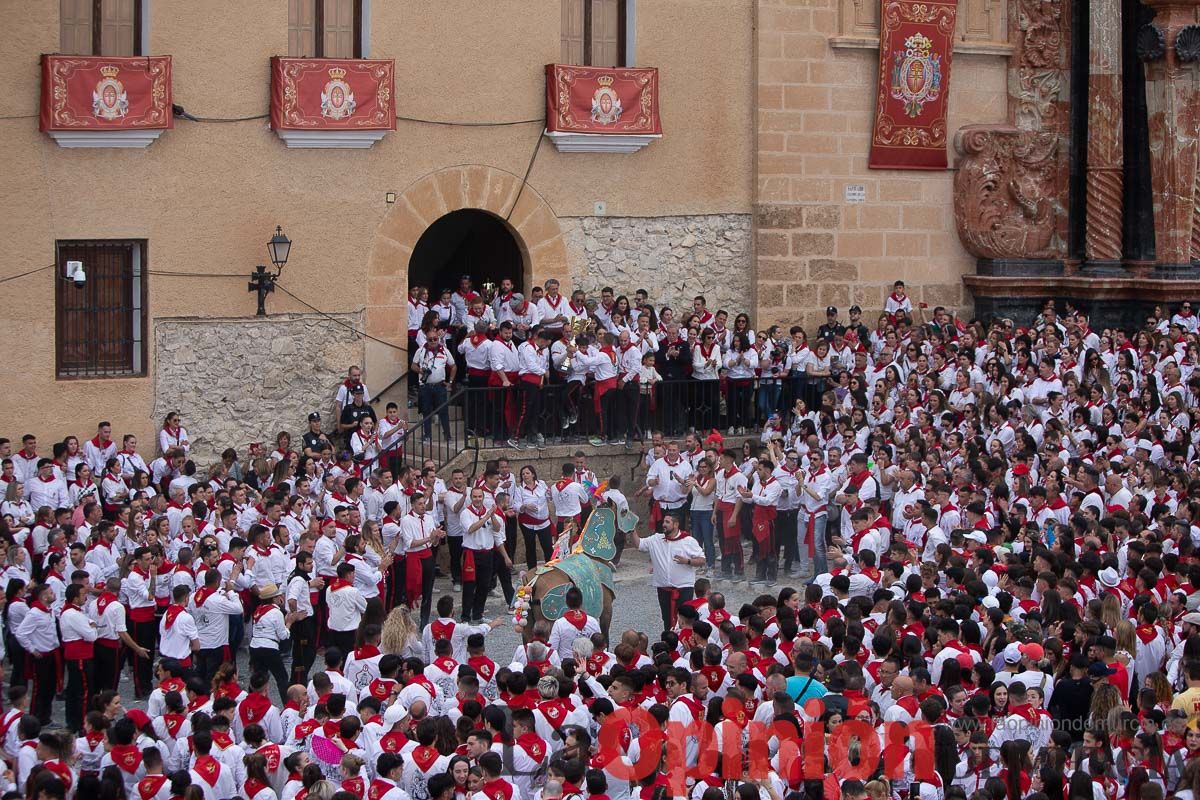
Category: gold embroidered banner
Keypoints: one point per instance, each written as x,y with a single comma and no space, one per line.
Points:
916,40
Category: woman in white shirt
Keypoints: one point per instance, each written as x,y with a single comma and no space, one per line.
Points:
531,499
16,565
816,373
706,365
364,442
741,367
16,507
703,496
173,434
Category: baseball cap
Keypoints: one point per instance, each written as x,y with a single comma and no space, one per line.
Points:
831,310
358,389
1144,444
1012,654
394,713
855,310
977,536
139,718
1033,651
314,417
1192,618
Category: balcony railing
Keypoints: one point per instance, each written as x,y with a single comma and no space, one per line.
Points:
102,101
332,103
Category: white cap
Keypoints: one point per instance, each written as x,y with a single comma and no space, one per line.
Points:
1109,577
394,713
1012,654
991,580
977,536
988,601
1144,444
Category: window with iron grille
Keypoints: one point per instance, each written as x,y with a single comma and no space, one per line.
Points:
100,327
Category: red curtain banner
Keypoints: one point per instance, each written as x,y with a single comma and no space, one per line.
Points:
602,100
333,94
916,40
102,93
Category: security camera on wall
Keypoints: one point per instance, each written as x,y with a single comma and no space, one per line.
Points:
76,274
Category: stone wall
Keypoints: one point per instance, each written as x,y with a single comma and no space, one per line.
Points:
237,381
674,258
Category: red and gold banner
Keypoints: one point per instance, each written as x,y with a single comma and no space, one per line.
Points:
103,93
602,100
916,40
333,94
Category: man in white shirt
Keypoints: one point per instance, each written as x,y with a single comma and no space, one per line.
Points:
534,359
178,636
346,607
47,489
99,449
674,556
211,608
764,502
483,532
575,623
435,367
669,479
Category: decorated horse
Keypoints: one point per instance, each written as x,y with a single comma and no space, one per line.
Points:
587,565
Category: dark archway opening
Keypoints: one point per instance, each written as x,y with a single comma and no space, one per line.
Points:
466,242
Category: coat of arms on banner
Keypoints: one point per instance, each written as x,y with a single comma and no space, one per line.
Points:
337,101
916,74
109,100
606,105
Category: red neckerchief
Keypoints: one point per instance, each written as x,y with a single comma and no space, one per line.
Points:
229,689
393,742
365,652
445,664
553,301
381,688
174,432
533,745
339,583
39,605
484,666
253,786
173,723
126,756
172,613
576,617
150,785
208,769
425,757
222,739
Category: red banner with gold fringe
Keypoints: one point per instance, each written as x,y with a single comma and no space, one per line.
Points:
352,94
916,40
602,99
105,93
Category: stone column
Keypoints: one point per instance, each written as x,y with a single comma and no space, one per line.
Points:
1105,158
1171,48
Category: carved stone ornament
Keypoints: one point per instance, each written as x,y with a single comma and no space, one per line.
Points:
1187,44
1003,190
1151,43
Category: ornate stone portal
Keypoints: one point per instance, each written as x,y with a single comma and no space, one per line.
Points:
1046,219
1170,46
1010,186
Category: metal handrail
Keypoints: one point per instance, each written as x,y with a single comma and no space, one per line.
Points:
444,444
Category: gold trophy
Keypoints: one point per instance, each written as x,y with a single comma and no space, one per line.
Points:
577,326
489,292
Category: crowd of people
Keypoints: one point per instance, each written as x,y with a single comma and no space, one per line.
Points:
968,550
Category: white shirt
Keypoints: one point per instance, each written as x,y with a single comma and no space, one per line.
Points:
346,607
487,536
668,573
668,491
270,630
176,642
569,499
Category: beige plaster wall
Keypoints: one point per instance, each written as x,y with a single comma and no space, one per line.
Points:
207,196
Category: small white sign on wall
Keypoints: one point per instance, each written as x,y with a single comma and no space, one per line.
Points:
856,193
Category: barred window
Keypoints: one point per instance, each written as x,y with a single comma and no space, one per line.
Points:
100,326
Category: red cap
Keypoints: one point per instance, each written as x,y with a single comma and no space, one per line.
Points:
1020,469
140,718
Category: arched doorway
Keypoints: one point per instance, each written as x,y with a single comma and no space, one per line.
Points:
465,242
530,219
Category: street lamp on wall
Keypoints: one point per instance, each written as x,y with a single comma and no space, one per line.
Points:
262,281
